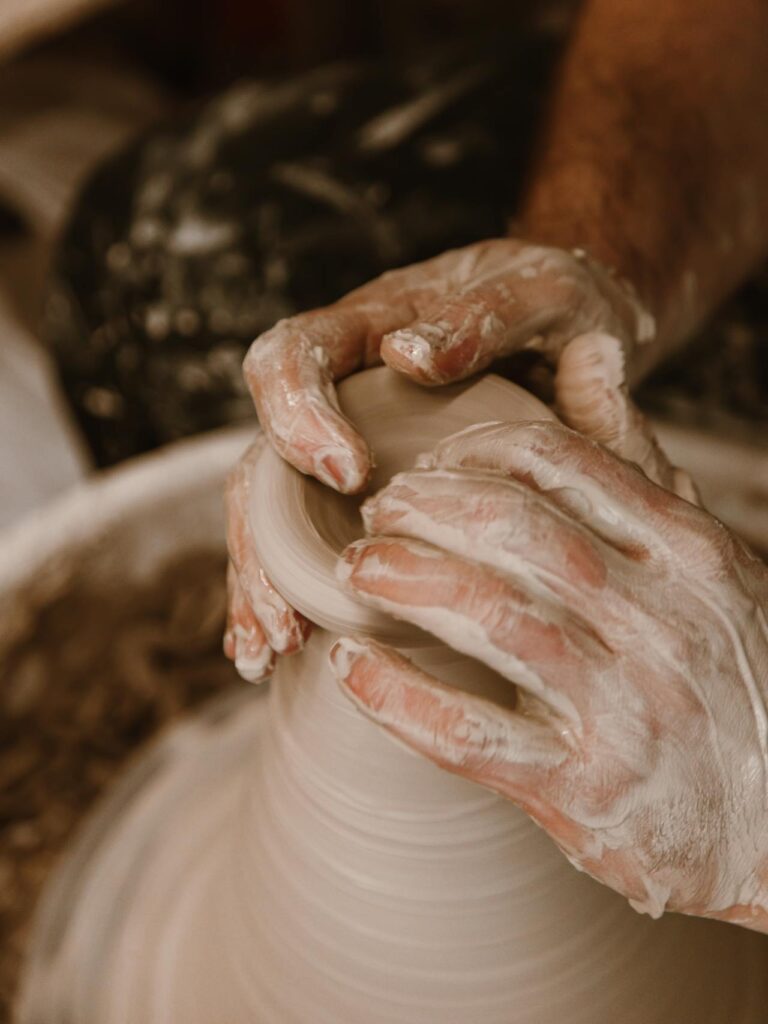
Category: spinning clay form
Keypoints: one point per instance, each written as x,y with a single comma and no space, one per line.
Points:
292,864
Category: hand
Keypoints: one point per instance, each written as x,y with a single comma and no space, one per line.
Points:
260,624
441,321
633,625
437,321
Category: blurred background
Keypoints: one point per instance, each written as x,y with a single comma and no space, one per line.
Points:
173,179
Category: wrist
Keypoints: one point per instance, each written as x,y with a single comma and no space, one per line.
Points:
573,204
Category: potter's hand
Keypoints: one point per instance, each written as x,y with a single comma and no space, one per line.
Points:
260,624
441,321
633,624
436,321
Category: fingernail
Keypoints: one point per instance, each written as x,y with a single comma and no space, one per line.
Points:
368,510
349,560
383,510
289,637
341,471
340,656
252,665
277,623
412,348
334,655
425,461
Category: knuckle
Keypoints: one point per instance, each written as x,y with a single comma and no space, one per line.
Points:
711,545
544,436
476,741
271,343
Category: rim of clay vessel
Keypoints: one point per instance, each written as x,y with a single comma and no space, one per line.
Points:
732,475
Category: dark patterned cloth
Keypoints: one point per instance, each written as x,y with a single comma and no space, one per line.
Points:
276,197
270,199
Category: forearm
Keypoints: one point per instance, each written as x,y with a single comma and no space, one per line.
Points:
654,156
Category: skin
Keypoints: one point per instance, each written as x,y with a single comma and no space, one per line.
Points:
646,205
632,624
653,157
260,623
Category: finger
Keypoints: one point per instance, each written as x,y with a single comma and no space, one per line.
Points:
285,628
245,642
505,296
593,398
456,338
461,733
498,522
290,378
525,638
610,496
291,368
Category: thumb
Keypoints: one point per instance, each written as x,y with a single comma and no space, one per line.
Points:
592,398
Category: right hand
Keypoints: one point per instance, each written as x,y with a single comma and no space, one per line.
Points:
438,321
634,627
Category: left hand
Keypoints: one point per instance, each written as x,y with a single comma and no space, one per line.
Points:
260,622
633,625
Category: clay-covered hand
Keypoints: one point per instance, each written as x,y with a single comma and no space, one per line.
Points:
633,625
441,321
436,321
260,624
